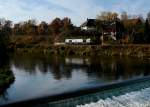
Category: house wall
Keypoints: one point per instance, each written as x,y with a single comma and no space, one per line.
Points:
74,40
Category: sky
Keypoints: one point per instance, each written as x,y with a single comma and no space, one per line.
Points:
77,10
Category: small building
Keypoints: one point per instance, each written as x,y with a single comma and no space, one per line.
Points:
78,41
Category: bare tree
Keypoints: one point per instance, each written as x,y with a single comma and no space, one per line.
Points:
124,16
107,16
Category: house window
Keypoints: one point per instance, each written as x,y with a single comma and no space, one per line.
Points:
84,41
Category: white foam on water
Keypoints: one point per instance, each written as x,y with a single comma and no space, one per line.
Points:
133,99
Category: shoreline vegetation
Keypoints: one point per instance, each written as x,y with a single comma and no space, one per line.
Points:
6,78
40,44
88,50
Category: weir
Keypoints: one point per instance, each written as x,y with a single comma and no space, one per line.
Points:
83,96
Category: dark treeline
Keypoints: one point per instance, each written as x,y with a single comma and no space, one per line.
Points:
134,30
30,27
5,32
55,29
6,75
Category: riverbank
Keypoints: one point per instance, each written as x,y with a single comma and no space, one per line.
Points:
89,50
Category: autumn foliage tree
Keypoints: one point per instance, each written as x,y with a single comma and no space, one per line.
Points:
26,28
56,26
30,26
60,28
43,28
107,16
67,24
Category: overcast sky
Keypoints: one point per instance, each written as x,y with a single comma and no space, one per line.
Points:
77,10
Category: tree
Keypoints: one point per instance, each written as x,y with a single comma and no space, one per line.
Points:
67,27
67,24
5,32
107,16
17,29
114,16
141,18
29,27
120,30
43,28
56,26
102,16
5,26
148,15
147,31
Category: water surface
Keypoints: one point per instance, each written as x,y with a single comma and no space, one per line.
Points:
42,75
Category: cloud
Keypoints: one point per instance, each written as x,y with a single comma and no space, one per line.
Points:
77,10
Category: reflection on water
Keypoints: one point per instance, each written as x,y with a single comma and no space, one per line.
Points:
44,75
77,61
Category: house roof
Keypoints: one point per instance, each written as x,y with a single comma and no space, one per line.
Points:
92,22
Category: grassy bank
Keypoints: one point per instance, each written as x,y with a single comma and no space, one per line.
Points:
90,50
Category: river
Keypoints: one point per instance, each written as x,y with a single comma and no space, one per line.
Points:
41,75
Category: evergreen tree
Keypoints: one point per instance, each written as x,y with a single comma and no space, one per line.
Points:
3,44
147,32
